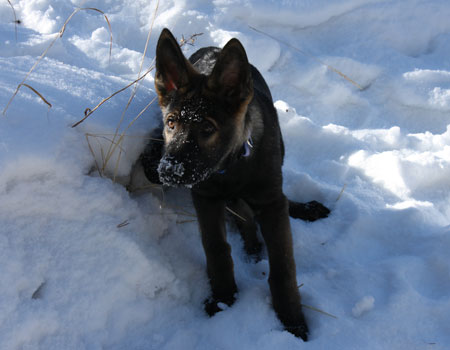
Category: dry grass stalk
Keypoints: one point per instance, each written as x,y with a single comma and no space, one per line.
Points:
176,214
318,310
310,56
37,93
89,111
16,21
123,224
93,153
38,292
102,136
143,188
60,34
235,214
180,222
341,193
112,148
115,143
106,136
190,40
180,211
104,160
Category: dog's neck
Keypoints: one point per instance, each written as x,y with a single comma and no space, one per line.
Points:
245,152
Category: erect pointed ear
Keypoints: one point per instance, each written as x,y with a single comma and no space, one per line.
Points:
231,75
172,68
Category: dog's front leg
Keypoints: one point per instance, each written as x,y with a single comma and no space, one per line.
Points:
276,230
211,218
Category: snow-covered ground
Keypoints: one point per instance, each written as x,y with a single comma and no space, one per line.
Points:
85,264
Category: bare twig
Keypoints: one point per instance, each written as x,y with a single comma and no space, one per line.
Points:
190,40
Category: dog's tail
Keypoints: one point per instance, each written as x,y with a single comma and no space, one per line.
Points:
310,211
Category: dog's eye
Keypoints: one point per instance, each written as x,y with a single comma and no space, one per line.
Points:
208,128
170,123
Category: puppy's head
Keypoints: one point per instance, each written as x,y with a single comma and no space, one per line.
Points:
203,115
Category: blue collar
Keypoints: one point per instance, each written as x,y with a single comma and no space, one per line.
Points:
246,151
248,145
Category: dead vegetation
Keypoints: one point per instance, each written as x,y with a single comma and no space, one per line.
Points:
59,35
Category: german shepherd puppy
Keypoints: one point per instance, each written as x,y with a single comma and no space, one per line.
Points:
222,139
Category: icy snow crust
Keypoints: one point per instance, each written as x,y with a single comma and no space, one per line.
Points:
84,264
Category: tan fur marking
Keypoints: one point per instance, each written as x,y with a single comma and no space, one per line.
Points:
213,122
213,140
239,121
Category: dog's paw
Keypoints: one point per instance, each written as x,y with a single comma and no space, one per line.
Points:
253,251
213,306
310,211
295,323
300,331
317,210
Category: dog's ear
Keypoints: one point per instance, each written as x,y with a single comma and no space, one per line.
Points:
172,68
231,75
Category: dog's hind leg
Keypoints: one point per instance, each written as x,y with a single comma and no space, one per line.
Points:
245,221
276,230
219,265
310,211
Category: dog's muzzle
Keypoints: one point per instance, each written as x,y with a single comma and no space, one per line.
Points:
174,172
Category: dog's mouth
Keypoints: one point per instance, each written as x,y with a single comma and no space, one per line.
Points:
175,173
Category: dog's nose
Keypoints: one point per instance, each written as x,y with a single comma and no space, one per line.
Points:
171,171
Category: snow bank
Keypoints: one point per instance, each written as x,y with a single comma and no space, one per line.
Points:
85,264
